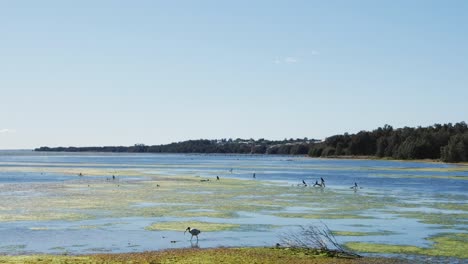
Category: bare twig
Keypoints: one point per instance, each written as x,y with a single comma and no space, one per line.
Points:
317,238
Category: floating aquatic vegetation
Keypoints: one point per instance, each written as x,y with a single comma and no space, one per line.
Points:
144,191
38,228
420,176
100,249
13,247
354,233
88,226
213,214
181,226
436,218
133,246
429,169
449,245
360,225
58,248
322,216
42,216
90,199
242,207
451,206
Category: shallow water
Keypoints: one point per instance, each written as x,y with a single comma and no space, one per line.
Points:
45,207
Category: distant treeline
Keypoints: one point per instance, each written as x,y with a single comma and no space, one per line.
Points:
239,146
446,142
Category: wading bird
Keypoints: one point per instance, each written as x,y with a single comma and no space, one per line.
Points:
194,232
355,187
305,184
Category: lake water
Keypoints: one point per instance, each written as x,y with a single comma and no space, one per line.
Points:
46,207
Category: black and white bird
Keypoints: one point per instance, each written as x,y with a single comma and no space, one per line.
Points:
322,182
317,184
193,232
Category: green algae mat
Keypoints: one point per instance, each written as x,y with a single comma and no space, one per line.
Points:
448,245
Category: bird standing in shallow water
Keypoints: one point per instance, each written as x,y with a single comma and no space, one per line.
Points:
355,187
193,232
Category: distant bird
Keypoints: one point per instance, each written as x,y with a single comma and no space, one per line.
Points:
230,170
317,184
305,184
194,232
217,178
80,174
113,177
253,175
157,185
355,187
322,182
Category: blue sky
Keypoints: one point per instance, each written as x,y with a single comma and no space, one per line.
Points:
87,73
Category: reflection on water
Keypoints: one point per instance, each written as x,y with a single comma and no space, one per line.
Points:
47,208
194,244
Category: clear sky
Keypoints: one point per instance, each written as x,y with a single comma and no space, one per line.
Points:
92,73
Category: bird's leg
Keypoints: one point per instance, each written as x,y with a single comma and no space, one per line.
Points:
191,238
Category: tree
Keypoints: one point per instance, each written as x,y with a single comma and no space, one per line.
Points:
457,149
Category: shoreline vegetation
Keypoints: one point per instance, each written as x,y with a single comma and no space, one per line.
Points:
205,256
446,143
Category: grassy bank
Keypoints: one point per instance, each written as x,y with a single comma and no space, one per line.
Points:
203,256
